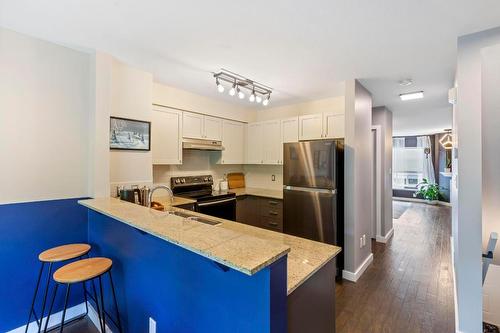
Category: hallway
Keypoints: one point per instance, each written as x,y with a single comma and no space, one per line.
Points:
409,286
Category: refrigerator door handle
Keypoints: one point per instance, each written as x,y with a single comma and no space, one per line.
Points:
308,189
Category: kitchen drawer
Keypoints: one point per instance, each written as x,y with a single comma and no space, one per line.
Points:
271,223
273,204
271,212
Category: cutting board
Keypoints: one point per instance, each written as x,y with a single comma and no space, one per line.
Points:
236,180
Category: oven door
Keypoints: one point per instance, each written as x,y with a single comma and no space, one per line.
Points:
222,208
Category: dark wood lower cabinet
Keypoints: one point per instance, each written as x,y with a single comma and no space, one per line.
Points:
260,212
311,307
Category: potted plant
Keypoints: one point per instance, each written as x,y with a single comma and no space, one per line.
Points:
428,191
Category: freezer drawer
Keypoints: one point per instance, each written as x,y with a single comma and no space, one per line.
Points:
310,214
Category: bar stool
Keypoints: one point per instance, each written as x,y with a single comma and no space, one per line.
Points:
82,271
51,256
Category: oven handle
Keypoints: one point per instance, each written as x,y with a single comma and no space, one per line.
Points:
211,203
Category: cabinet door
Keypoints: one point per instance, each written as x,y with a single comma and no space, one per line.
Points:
334,125
289,133
212,128
271,142
192,125
311,127
166,139
233,140
254,144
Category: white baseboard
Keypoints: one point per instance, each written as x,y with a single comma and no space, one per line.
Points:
385,239
55,319
95,319
353,277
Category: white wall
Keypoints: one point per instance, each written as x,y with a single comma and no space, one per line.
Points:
184,100
491,296
44,102
383,117
358,176
466,189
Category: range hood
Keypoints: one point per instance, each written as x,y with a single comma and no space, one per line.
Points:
199,144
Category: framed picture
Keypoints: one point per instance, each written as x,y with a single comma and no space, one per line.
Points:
129,134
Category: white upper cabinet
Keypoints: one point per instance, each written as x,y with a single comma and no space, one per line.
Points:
311,127
290,130
192,125
166,138
271,145
233,140
321,126
197,126
255,154
212,128
334,125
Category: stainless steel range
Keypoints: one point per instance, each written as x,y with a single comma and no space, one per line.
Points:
215,203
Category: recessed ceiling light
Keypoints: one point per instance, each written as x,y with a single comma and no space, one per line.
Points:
412,95
405,82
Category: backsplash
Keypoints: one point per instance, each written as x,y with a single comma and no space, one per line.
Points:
194,162
204,163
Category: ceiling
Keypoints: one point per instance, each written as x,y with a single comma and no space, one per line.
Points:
302,49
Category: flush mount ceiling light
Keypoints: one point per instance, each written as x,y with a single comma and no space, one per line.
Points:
258,92
405,82
412,95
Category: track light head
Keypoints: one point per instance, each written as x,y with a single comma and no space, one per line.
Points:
232,91
266,101
220,87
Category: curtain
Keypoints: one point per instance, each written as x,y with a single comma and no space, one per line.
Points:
398,142
428,167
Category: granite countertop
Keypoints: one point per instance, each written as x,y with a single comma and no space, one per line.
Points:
258,192
178,201
242,247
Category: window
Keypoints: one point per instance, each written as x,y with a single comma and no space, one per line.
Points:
408,167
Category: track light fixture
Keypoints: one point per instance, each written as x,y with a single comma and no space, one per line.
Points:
258,92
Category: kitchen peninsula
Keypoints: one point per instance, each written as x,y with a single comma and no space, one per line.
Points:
191,276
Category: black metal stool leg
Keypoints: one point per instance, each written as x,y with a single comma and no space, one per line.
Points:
97,304
102,305
32,309
116,303
45,297
50,308
85,297
65,306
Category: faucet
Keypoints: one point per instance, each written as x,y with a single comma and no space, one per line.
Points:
158,187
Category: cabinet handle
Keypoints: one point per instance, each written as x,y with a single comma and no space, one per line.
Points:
274,224
273,213
274,203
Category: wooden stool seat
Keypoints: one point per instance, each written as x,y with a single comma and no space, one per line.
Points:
83,270
64,252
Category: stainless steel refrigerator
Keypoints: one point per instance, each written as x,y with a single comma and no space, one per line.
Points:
313,196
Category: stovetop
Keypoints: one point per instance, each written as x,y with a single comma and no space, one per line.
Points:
197,187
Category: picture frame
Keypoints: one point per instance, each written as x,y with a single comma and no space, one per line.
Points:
129,134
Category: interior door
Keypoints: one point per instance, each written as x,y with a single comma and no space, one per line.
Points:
310,214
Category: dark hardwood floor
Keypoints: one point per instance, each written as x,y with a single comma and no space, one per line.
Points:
409,285
83,325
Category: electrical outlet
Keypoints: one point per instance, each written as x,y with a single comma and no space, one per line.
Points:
361,242
273,178
152,325
364,240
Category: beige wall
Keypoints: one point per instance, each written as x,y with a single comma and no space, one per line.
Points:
131,97
332,104
184,100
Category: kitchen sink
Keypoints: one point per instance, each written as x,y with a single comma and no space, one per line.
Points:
191,217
